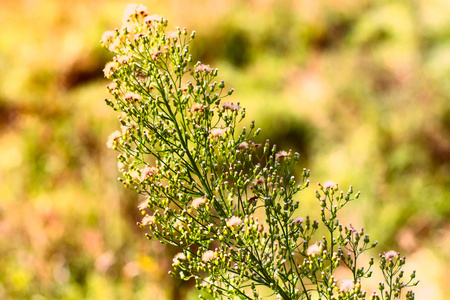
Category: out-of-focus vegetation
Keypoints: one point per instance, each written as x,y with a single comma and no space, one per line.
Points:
359,88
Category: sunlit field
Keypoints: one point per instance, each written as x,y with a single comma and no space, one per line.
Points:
359,88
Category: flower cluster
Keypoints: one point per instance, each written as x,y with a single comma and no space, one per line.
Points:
206,182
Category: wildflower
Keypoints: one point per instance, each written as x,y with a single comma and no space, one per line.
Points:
171,35
123,59
208,255
113,88
143,205
184,89
178,224
281,154
134,10
142,78
197,202
230,106
234,221
142,10
177,258
148,220
390,255
254,146
155,53
126,31
132,96
346,285
203,68
147,173
125,129
313,250
180,256
113,138
298,220
258,181
197,107
109,69
120,166
328,184
149,19
243,145
217,132
139,36
108,37
134,175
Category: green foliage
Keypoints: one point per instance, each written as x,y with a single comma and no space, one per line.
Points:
207,183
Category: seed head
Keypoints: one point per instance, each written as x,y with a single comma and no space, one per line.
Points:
148,220
230,106
108,37
153,18
346,285
390,255
130,96
313,250
328,185
197,202
155,53
120,166
234,221
134,175
134,10
113,138
180,255
208,255
281,154
143,205
176,259
258,181
123,59
178,225
216,132
203,68
109,69
148,173
171,35
113,88
243,145
197,107
298,220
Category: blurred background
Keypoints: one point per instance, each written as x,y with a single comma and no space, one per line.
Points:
359,88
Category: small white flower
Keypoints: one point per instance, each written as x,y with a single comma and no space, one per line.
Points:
313,250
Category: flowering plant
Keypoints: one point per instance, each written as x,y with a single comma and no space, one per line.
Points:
225,201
